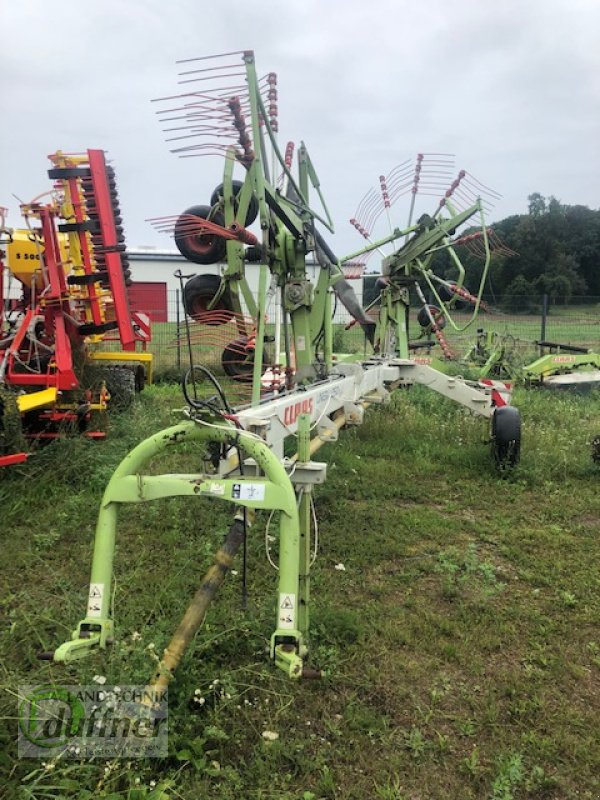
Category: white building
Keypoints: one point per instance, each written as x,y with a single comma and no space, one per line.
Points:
156,290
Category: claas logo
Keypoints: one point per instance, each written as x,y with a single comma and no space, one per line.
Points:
293,411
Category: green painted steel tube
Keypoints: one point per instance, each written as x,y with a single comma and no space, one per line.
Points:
98,619
260,335
256,166
304,513
328,340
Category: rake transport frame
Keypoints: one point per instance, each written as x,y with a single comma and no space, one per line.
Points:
72,268
243,448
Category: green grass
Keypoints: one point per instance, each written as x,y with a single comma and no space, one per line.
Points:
461,642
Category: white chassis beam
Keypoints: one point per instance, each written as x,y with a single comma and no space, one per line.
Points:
348,388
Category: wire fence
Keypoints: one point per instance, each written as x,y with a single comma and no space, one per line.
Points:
526,320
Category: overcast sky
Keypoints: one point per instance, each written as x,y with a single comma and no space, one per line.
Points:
511,87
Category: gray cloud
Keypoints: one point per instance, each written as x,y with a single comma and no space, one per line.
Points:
511,88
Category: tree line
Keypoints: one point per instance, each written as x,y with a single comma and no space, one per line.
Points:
556,252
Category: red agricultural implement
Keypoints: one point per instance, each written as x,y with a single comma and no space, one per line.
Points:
68,337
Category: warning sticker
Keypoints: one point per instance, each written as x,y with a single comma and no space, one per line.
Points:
248,491
287,613
216,488
94,607
300,343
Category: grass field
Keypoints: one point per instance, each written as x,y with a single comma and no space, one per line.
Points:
461,641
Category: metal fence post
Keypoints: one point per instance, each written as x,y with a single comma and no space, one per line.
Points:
178,320
544,317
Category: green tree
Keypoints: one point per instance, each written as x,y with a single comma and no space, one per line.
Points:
537,204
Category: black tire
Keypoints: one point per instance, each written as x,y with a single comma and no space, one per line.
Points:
203,248
197,295
140,378
120,384
436,313
506,437
448,295
238,360
251,213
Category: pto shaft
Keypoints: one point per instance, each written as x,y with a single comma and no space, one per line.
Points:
196,611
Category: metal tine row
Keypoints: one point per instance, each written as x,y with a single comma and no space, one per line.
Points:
190,225
466,190
213,100
196,151
498,245
495,243
214,56
206,113
425,175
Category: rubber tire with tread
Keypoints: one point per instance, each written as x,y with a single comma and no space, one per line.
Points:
139,374
233,362
436,313
448,296
120,384
200,248
197,294
506,436
251,213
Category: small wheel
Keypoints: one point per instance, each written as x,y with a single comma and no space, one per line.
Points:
201,248
238,360
198,293
506,437
448,294
436,313
120,384
252,211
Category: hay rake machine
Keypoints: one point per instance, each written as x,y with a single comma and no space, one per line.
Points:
244,460
72,270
